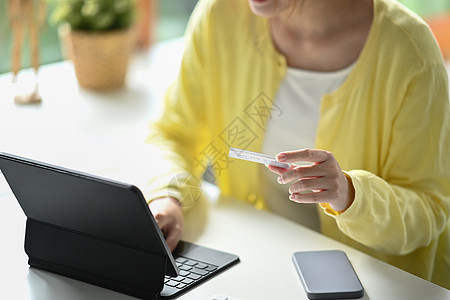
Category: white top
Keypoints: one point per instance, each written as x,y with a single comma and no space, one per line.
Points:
298,98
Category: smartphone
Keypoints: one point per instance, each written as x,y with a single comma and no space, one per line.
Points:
327,275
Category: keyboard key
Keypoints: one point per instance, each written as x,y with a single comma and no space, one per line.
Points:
172,283
193,276
178,278
189,272
190,262
181,260
187,281
201,266
199,271
185,267
180,285
210,268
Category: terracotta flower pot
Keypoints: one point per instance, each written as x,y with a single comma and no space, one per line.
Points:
100,58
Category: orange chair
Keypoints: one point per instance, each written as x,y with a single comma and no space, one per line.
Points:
440,25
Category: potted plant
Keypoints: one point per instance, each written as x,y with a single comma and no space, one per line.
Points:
97,35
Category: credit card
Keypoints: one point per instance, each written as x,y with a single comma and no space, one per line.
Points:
256,157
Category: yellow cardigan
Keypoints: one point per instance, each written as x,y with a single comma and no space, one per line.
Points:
388,126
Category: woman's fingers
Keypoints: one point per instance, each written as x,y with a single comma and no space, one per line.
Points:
169,217
277,170
306,185
320,162
323,181
307,155
300,172
173,236
312,197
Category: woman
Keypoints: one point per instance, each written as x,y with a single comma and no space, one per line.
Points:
358,87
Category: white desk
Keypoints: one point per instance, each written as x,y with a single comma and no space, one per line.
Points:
103,133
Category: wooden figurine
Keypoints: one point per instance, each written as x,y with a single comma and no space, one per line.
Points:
26,18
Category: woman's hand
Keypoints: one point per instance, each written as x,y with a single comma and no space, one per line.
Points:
169,217
321,182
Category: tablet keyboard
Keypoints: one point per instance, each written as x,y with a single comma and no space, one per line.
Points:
190,272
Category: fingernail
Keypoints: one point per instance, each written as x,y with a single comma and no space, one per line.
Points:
281,157
280,181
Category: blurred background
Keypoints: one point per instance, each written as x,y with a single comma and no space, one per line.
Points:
172,16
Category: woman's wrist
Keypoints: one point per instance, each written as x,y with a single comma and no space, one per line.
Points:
348,198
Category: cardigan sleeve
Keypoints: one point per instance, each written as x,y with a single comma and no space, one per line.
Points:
408,205
174,136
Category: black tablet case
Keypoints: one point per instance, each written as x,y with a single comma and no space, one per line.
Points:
64,234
